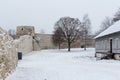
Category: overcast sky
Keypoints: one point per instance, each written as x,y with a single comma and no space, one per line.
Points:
44,13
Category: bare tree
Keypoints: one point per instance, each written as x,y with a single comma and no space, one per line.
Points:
12,33
117,16
86,23
57,37
70,28
107,22
42,31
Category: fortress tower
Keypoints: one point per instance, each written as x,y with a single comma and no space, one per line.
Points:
25,30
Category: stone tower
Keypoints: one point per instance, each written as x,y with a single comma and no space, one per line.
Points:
25,30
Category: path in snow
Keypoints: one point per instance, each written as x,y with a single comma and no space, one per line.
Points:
62,65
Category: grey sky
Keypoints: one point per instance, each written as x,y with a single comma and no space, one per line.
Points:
44,13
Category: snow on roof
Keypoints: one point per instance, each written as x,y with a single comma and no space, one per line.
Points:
112,29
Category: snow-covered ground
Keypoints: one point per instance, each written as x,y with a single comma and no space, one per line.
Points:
62,65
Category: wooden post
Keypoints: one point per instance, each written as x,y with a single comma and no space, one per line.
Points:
110,46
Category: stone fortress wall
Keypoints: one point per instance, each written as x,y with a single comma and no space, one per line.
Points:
39,41
24,44
44,41
8,54
25,30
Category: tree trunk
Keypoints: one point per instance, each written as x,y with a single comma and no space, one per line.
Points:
85,42
69,46
59,46
85,48
69,43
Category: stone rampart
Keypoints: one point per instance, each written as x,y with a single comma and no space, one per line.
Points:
8,55
24,44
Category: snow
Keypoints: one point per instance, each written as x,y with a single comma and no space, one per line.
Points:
112,29
62,65
17,41
1,35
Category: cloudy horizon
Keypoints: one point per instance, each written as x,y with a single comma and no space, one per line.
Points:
43,14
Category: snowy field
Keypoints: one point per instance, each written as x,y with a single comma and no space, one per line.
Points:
62,65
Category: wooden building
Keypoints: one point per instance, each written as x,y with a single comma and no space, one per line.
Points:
107,43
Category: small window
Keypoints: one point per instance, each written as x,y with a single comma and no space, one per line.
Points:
22,29
116,43
105,43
